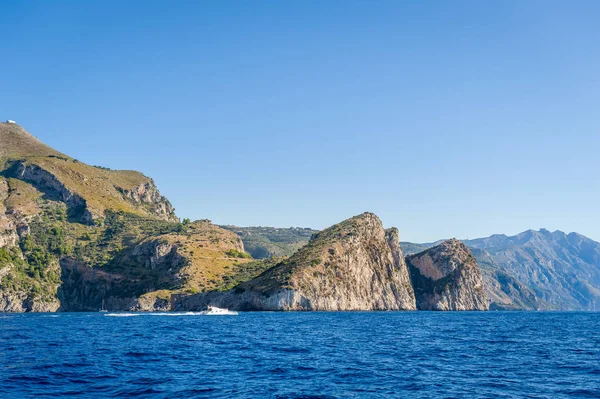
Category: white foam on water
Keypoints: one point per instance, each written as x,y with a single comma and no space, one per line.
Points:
176,314
155,314
121,314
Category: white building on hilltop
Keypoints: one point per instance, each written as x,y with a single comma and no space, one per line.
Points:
10,121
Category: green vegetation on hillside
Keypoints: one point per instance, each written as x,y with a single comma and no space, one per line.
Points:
33,267
100,245
37,280
242,272
267,242
234,253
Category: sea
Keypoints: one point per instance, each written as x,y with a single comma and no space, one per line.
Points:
301,355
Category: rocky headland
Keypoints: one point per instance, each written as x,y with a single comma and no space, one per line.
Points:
353,265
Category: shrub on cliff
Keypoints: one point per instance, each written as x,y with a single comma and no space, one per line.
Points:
234,253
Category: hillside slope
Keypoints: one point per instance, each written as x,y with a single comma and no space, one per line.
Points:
73,236
88,191
16,142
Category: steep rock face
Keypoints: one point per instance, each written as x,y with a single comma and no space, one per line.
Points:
21,204
8,230
157,253
148,195
399,270
447,277
22,302
47,182
354,265
143,197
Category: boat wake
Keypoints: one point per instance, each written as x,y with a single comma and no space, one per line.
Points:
122,314
221,312
215,311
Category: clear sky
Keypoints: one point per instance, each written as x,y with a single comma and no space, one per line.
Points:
445,118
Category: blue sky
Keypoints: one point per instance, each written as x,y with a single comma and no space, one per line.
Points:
462,118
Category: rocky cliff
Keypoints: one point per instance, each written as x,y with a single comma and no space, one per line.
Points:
88,191
447,277
354,265
8,230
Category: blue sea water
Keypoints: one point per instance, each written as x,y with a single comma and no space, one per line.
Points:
301,355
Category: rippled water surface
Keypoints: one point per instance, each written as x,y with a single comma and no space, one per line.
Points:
302,355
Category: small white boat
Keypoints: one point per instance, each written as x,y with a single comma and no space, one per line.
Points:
102,309
215,311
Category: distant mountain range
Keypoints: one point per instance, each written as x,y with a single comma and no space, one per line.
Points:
561,270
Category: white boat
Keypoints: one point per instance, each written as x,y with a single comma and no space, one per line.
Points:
215,311
102,309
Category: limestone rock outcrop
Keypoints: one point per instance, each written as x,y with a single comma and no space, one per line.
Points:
8,231
447,277
148,195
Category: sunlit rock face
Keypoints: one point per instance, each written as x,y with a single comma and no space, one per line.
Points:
447,277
